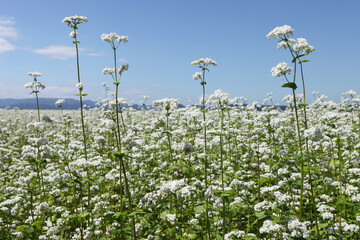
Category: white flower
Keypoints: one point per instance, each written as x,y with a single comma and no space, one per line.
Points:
74,20
197,76
284,31
167,103
73,34
34,74
121,102
302,45
171,218
59,103
109,71
237,235
280,70
123,39
299,229
350,93
39,85
109,37
219,97
268,226
123,68
313,133
285,44
29,85
80,86
204,61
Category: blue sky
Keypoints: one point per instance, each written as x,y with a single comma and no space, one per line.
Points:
166,36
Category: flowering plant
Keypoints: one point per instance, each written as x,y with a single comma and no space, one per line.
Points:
35,87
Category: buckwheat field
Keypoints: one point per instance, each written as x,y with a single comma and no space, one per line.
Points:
222,169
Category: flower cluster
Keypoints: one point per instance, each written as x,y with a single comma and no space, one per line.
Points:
301,45
80,86
167,103
34,85
284,31
59,103
34,74
74,20
280,70
73,34
204,61
120,70
219,97
111,37
108,71
121,102
123,68
197,76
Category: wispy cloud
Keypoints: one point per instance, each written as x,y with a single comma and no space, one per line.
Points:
62,52
95,54
18,91
60,91
6,46
57,52
7,31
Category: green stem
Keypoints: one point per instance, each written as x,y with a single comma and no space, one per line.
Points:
81,104
37,103
203,83
119,146
301,155
222,169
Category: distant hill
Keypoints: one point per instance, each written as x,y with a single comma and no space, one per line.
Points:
69,104
44,103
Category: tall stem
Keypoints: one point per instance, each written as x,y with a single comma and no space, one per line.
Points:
80,90
301,157
222,169
122,165
37,102
82,122
205,152
307,150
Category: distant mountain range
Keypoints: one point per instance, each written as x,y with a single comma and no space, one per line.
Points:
69,104
44,103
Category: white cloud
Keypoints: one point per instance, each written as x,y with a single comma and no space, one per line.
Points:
6,46
6,32
18,91
60,91
57,52
62,52
95,54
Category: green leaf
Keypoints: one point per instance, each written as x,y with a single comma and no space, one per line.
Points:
136,212
223,177
84,214
199,207
77,95
119,155
118,214
72,216
303,61
291,85
225,194
100,179
84,95
260,214
215,133
323,225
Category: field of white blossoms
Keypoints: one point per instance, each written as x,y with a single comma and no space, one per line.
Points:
221,170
